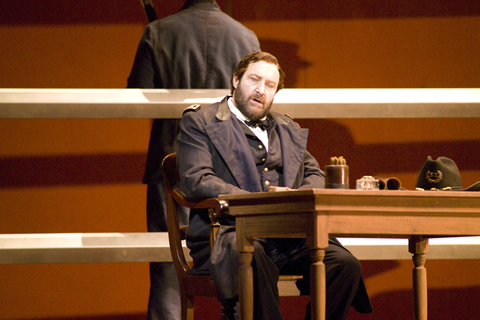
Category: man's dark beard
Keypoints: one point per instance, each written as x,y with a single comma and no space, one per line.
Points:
241,104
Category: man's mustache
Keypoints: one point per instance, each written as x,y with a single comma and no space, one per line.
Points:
258,97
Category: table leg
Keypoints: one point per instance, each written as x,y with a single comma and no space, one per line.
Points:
317,240
418,246
245,247
245,286
317,284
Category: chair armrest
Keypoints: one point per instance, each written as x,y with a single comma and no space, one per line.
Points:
219,208
183,232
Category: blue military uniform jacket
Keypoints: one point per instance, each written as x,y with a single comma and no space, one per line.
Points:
214,158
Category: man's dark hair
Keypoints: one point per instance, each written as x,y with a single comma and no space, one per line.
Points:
242,66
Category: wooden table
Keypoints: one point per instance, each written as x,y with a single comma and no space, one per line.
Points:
318,214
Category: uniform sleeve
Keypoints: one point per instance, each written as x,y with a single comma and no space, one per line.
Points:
198,178
314,177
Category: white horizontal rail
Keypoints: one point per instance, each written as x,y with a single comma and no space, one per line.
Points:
456,248
84,247
299,103
154,247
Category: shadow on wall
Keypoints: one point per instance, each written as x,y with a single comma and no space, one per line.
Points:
366,9
287,54
327,139
62,170
45,12
133,316
70,12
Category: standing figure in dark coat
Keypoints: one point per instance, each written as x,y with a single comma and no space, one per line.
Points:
195,48
240,146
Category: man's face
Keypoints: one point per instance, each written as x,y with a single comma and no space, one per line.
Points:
253,94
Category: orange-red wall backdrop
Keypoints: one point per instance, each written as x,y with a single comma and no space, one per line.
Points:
84,175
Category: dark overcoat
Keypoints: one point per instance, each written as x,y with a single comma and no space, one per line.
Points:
195,48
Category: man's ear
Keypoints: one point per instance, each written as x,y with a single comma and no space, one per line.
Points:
235,81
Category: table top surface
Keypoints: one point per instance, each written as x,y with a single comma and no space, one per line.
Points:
352,193
430,200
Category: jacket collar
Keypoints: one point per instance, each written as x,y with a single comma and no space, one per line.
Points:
224,112
191,3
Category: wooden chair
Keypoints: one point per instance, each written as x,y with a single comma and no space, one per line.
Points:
190,285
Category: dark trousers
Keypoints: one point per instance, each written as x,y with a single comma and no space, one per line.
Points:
164,298
272,257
